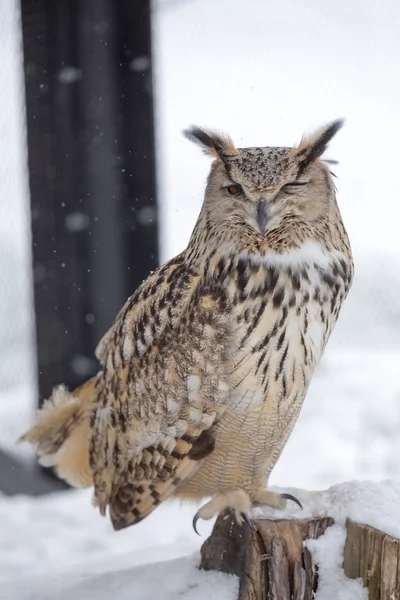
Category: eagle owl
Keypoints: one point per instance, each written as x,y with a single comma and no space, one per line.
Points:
206,366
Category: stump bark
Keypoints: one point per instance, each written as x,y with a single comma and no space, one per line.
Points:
272,563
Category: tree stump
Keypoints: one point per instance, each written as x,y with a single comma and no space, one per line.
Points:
272,563
375,557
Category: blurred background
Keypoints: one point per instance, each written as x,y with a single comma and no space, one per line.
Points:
98,186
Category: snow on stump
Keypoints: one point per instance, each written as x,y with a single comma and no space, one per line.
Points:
275,564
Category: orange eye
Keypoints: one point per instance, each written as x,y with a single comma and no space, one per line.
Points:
234,190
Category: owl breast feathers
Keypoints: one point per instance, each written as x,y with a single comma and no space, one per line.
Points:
206,367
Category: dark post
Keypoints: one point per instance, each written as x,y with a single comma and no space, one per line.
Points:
102,180
137,120
90,128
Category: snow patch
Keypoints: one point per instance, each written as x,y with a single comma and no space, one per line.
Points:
178,578
363,501
327,552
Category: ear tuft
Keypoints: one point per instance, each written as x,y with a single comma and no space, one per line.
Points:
313,146
213,143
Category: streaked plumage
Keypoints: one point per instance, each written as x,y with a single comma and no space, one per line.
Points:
206,367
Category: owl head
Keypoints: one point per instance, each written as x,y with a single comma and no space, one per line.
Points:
260,188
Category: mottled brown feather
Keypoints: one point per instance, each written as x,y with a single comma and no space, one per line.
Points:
206,367
157,400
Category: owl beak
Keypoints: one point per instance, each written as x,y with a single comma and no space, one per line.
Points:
262,217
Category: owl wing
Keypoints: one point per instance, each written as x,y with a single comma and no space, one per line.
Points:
149,294
161,390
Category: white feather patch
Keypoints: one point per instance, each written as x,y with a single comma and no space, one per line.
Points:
193,382
127,347
173,407
193,387
140,346
310,253
315,335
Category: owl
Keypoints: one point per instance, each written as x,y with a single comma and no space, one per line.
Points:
206,366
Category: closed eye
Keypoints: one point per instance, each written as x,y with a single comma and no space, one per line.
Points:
292,188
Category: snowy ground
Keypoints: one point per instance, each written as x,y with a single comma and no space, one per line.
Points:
59,548
234,66
83,558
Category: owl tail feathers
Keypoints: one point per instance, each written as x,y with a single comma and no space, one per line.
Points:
131,504
62,432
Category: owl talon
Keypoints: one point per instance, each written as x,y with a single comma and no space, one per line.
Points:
248,522
292,498
194,522
236,500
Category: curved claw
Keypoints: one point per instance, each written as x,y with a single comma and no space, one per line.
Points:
248,522
194,522
292,498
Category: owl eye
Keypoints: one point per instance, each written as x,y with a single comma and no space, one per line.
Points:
292,188
234,189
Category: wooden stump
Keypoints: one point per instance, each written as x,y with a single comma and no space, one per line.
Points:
271,564
375,557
